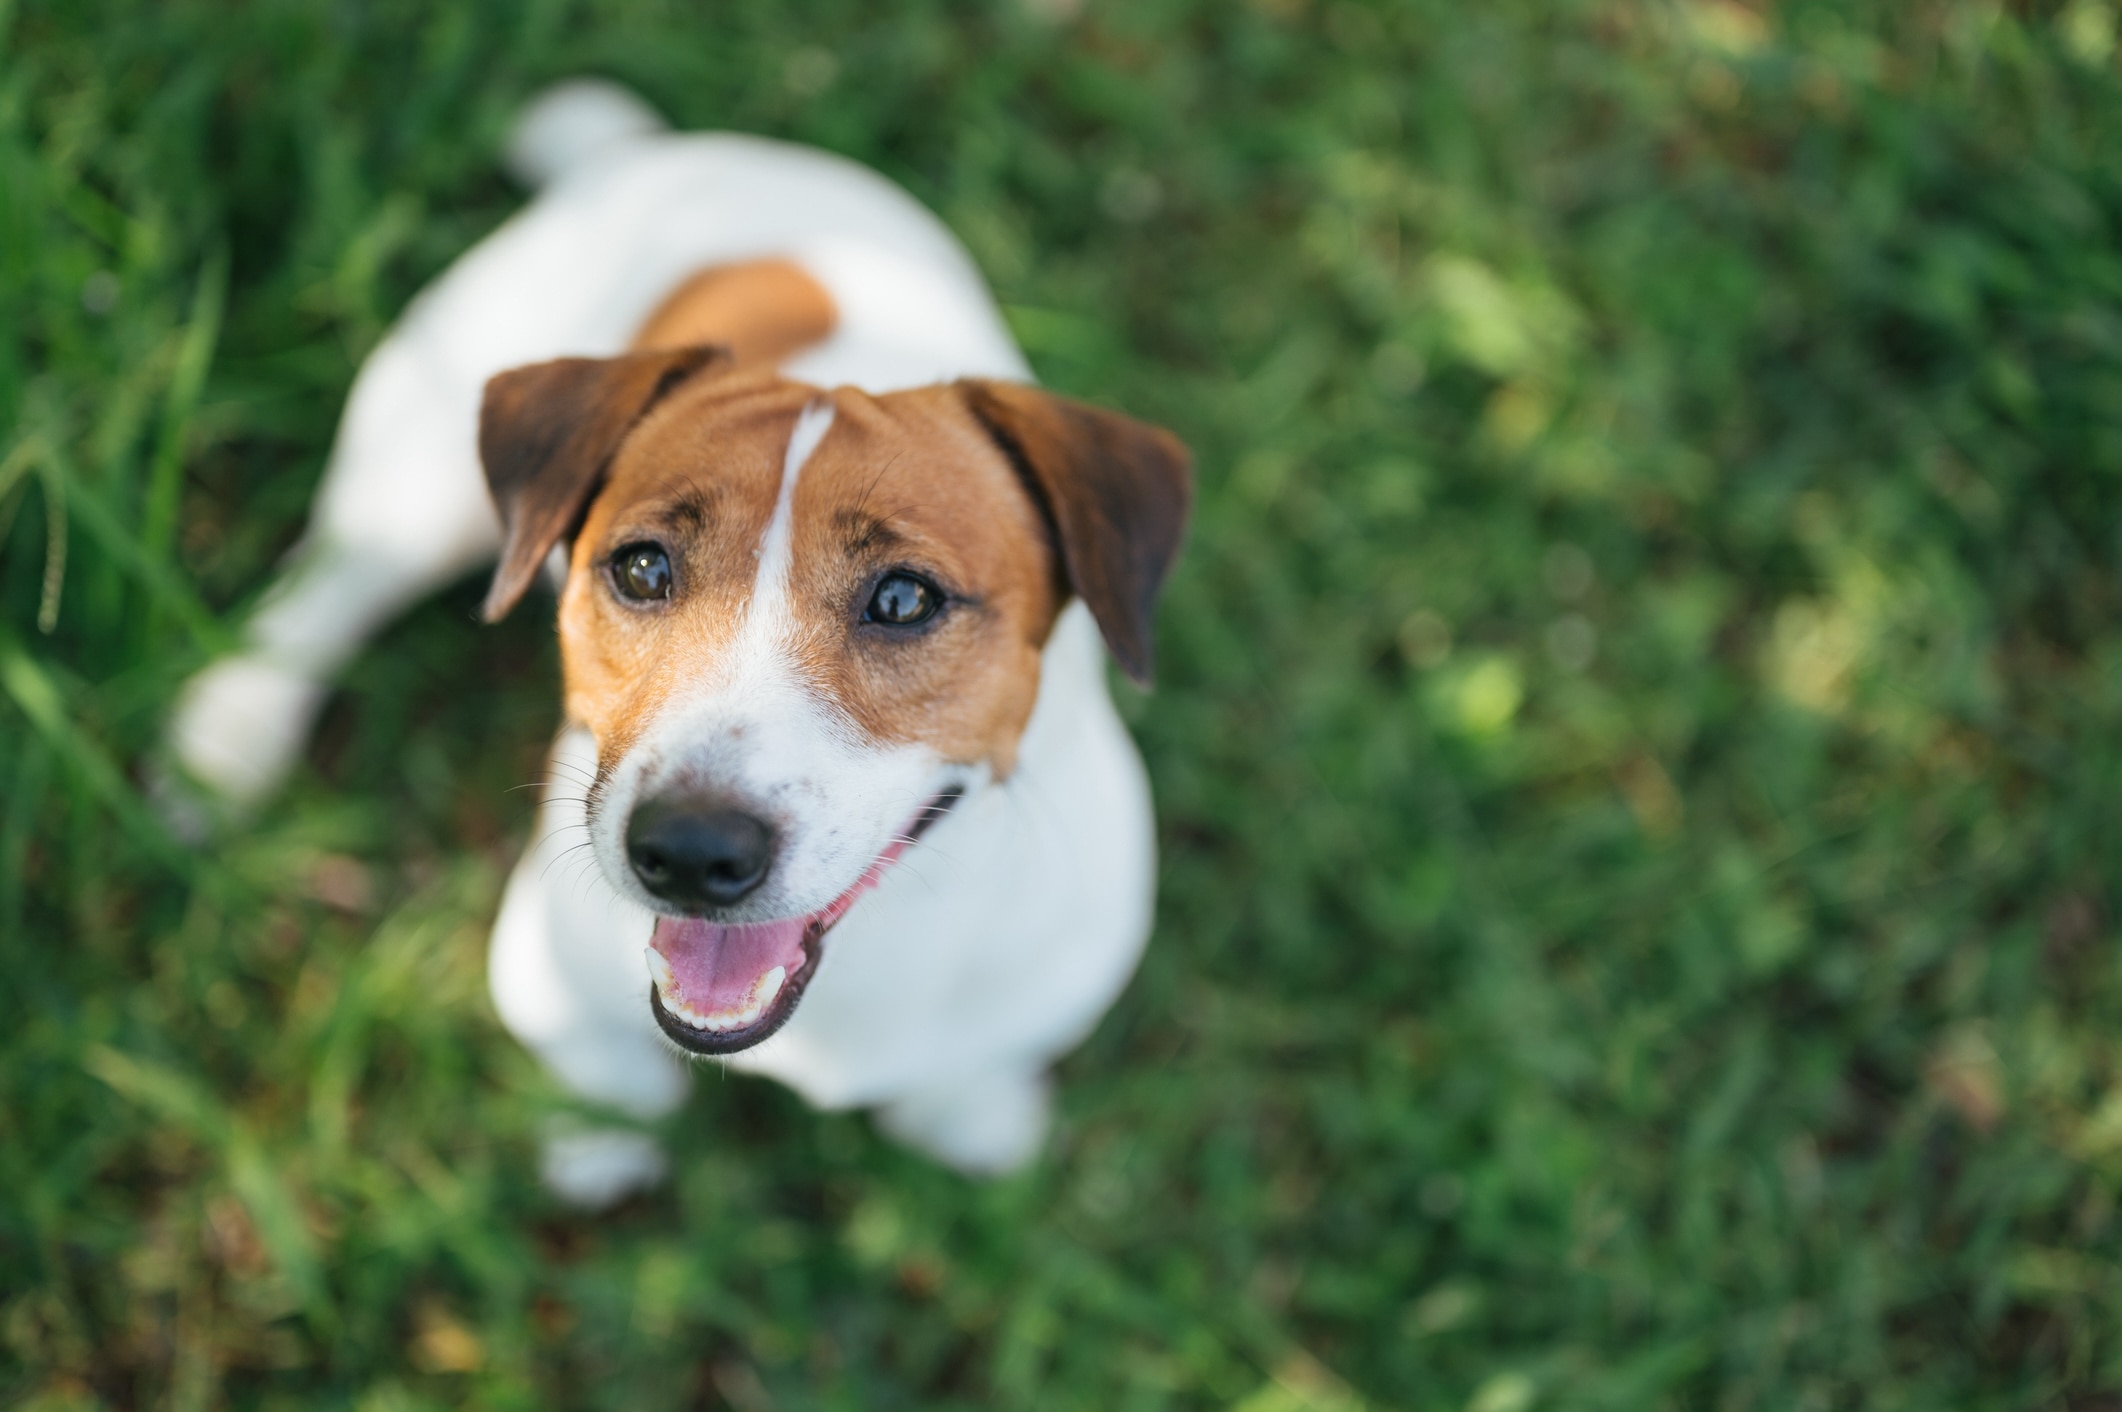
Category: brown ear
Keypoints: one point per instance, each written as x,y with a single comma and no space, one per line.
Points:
1114,492
546,434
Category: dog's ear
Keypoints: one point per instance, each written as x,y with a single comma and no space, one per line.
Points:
1114,493
547,432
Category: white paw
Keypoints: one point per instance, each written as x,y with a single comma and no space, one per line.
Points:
596,1167
241,724
986,1125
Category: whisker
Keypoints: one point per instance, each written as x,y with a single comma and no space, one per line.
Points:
565,855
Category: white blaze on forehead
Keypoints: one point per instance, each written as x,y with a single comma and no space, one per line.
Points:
769,605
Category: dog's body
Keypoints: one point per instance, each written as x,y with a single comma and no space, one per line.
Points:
743,685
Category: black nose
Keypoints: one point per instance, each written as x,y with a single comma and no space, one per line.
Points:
696,855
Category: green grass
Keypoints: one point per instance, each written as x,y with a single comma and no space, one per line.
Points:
1638,749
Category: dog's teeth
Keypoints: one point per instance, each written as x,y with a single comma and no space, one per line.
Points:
763,992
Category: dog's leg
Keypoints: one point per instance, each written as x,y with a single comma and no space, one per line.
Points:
985,1124
403,510
558,967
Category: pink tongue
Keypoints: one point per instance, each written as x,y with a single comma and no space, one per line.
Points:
717,966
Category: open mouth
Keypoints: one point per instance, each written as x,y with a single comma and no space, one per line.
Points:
717,988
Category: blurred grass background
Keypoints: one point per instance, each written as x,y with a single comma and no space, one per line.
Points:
1638,745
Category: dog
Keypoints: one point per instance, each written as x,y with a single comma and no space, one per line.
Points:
837,591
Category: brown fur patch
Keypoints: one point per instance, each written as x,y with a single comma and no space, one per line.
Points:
546,433
699,477
906,481
763,311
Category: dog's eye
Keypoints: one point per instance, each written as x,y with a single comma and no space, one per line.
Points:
903,600
642,571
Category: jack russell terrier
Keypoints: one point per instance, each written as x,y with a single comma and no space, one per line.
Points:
833,579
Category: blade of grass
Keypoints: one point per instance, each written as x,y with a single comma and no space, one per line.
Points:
25,797
13,467
54,550
195,354
165,588
38,697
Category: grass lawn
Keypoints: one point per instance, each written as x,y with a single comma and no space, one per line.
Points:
1639,747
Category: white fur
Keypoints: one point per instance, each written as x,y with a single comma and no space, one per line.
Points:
776,554
998,940
567,125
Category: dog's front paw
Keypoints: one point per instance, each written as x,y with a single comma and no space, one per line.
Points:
239,727
599,1167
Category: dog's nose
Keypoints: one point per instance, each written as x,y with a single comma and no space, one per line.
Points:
696,855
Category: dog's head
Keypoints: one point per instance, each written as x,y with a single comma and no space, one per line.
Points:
802,624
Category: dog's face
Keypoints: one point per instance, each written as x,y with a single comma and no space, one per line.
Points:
801,625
